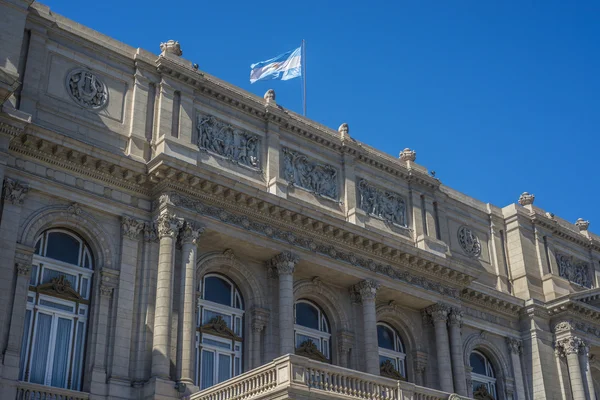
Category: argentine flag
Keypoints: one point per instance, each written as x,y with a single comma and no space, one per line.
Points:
285,66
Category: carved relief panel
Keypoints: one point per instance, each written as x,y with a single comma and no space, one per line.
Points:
381,203
573,270
299,170
225,140
86,89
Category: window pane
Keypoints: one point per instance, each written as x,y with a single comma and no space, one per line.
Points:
385,337
326,348
217,290
238,326
50,274
58,306
61,353
34,275
216,343
224,367
38,247
76,384
209,315
24,344
477,363
84,288
207,370
307,315
41,347
237,366
63,247
300,338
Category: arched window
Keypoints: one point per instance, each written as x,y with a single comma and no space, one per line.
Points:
311,330
220,333
483,376
57,311
392,355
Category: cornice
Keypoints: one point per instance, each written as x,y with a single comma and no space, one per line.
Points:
575,309
493,300
559,231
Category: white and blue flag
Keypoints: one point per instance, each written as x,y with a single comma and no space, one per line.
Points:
285,66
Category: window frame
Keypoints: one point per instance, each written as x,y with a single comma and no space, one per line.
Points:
399,352
489,380
323,334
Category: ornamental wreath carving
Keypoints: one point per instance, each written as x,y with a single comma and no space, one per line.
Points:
86,89
299,170
469,242
574,271
382,204
225,140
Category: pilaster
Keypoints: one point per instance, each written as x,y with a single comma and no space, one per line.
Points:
285,263
99,375
138,146
514,349
349,165
260,319
345,342
367,292
456,351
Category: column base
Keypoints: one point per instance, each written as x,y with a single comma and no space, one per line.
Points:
160,389
10,368
98,386
120,388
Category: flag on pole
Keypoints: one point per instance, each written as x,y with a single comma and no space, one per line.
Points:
285,66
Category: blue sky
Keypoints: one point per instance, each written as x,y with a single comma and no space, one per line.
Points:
498,97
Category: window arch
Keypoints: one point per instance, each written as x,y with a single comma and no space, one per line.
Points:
311,331
56,315
392,353
219,336
482,375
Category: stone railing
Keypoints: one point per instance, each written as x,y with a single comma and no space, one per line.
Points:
32,391
297,375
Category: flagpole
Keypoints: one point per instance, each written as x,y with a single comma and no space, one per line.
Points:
303,51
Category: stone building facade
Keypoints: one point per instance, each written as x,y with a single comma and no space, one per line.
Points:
166,235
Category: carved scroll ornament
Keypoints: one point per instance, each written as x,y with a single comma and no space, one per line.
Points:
223,139
382,204
299,170
309,349
388,370
576,272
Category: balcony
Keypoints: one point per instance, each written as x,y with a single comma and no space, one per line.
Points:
32,391
293,376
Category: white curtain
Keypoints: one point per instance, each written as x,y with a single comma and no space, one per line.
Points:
207,370
60,365
24,344
76,382
41,347
224,367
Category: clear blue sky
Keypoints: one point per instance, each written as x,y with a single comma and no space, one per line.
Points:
498,97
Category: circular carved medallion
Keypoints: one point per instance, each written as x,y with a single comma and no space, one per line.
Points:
86,89
469,242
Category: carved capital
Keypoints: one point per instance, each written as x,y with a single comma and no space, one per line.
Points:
260,318
23,269
285,262
106,290
168,225
190,233
408,155
131,227
526,199
367,289
564,326
514,345
569,345
438,312
150,232
455,317
14,191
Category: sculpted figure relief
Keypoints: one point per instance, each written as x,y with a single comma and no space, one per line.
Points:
86,89
575,272
320,179
388,206
227,141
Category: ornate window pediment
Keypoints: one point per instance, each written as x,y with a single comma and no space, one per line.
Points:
217,326
309,349
388,370
60,287
482,393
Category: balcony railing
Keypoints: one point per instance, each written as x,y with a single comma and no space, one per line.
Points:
300,375
32,391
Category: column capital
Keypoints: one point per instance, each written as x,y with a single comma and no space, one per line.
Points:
14,191
438,312
514,345
455,316
168,225
150,231
23,269
285,262
190,233
366,290
106,290
131,227
260,318
568,345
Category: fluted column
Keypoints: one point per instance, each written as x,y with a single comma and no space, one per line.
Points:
367,290
168,227
285,263
439,316
456,351
514,348
570,348
586,372
185,358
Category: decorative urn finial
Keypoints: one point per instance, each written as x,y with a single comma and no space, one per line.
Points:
172,47
526,199
344,130
582,224
408,155
270,96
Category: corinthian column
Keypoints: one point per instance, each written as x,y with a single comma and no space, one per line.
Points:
189,240
285,263
439,316
570,348
456,350
168,226
367,290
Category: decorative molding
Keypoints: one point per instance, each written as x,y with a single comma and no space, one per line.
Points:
455,317
150,231
168,225
380,203
60,286
514,345
190,233
23,269
388,370
131,227
526,199
494,301
366,290
106,290
577,272
285,262
438,312
569,345
309,350
225,140
218,326
469,242
86,89
15,191
300,171
260,318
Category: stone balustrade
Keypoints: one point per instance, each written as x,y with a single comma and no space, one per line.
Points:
32,391
298,376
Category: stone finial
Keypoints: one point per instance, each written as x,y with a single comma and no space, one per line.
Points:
270,96
344,130
526,199
172,47
582,225
408,155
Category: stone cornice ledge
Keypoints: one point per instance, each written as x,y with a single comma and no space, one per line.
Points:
566,305
491,298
